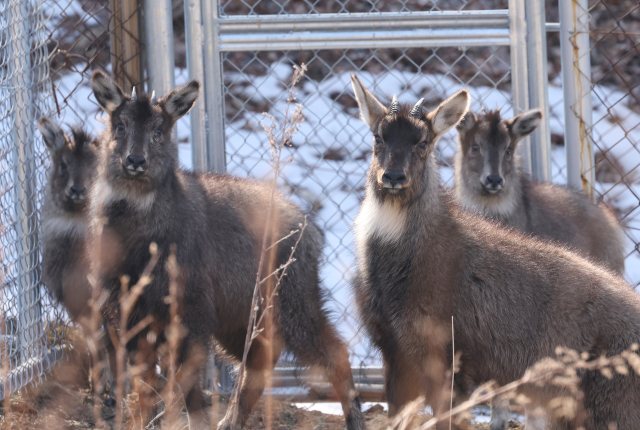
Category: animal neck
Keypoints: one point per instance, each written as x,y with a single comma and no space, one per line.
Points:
60,224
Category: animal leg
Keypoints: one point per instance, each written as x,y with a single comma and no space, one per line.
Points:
500,414
261,360
536,418
338,370
404,384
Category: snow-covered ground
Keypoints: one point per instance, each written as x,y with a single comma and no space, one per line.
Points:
331,155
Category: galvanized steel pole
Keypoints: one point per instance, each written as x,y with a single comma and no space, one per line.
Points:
158,24
519,72
576,86
213,88
24,181
195,42
540,139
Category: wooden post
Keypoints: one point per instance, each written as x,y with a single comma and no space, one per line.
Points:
125,43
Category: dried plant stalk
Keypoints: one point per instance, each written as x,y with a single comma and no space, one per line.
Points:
289,126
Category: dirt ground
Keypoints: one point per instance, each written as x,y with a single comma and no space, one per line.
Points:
69,410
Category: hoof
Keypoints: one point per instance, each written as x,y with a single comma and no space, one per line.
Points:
355,419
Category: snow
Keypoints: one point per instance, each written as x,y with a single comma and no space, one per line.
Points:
333,408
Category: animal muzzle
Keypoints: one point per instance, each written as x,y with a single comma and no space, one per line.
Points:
493,183
135,165
394,180
76,193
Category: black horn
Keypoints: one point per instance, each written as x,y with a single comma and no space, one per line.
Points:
394,109
417,109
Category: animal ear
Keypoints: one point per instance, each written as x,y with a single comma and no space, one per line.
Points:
450,112
179,101
525,123
371,110
107,92
467,122
52,133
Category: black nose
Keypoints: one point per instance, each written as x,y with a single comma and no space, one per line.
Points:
494,180
136,161
76,190
394,178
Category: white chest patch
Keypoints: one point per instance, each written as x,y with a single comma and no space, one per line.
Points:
64,226
385,221
104,193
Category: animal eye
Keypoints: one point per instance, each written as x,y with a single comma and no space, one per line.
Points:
120,129
377,140
157,135
475,148
422,145
509,151
63,166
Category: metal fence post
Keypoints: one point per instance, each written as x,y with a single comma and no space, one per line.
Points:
540,139
213,88
213,149
576,86
195,42
24,182
159,46
519,72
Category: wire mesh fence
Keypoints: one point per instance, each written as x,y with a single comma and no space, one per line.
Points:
614,38
332,148
48,51
25,94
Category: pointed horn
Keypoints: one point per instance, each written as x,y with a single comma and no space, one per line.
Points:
394,109
417,109
153,96
134,96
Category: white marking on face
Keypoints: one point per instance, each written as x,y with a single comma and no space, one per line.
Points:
501,204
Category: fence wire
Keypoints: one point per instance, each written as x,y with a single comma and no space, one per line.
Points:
614,30
48,51
25,94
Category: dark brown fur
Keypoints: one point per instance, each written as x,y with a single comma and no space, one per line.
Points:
513,299
65,218
487,146
217,223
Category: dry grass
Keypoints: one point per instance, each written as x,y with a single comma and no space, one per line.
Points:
44,413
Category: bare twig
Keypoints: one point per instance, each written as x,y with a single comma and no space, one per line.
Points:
128,299
289,126
453,367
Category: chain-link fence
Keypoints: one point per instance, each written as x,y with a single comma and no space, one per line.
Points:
47,52
25,94
331,151
603,54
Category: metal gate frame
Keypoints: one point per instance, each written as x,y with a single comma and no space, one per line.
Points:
209,34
